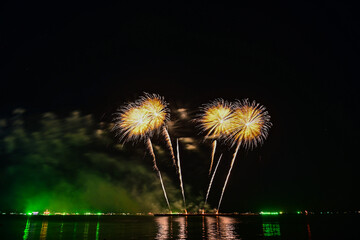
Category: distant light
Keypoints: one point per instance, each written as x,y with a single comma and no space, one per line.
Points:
298,212
29,213
269,213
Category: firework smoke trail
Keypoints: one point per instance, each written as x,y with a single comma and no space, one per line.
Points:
212,179
228,175
249,127
212,155
151,150
168,141
180,175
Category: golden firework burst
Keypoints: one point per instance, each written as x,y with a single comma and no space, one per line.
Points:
216,118
249,124
156,110
132,123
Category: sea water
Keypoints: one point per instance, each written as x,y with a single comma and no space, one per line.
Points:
179,227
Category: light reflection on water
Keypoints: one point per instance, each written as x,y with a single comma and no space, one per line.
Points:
43,231
271,229
27,229
212,227
165,227
86,231
220,228
162,227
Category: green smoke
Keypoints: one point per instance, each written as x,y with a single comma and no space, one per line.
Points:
73,164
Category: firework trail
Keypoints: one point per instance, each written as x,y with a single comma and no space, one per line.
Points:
212,179
158,115
215,119
180,175
151,150
139,121
212,155
168,141
228,175
249,127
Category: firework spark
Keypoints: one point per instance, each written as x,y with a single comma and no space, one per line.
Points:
156,110
180,175
216,119
212,179
132,123
214,143
151,150
249,127
250,124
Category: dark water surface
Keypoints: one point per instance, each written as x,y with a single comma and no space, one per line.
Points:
179,227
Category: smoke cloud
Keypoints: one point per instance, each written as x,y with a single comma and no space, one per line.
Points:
72,164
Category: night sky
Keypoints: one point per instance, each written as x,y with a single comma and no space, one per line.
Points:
301,63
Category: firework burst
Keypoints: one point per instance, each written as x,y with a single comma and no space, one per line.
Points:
156,110
216,120
158,115
140,120
249,127
132,123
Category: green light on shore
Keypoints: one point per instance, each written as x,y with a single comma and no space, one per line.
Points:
29,213
298,212
269,213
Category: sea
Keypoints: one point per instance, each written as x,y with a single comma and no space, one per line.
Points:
106,227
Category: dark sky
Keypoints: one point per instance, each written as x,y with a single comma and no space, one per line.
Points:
299,62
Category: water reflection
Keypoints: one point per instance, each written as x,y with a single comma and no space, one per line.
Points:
86,231
162,227
166,227
271,229
27,229
43,231
308,231
97,230
227,228
75,226
221,228
203,226
212,227
182,222
61,230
